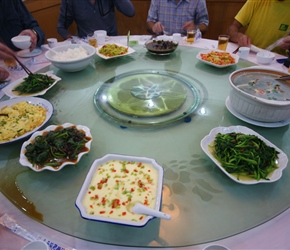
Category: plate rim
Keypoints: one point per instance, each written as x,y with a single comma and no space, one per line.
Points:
253,122
8,89
209,138
24,161
216,65
33,100
29,54
130,51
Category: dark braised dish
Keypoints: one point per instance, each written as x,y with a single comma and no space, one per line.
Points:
161,46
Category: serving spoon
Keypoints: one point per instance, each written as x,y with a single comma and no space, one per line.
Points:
139,208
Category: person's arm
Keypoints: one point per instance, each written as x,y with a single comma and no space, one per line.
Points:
286,43
29,23
237,36
65,19
154,28
125,7
5,52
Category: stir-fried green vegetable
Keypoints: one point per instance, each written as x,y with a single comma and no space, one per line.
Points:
245,155
34,83
56,147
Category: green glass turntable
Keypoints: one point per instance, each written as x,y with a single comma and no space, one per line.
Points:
147,97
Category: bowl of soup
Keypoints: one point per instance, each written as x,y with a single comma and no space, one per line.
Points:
258,94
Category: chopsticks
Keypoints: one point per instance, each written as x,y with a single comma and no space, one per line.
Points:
27,70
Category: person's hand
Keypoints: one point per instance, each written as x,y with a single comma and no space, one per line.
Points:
5,52
33,37
188,26
3,74
285,43
244,40
157,28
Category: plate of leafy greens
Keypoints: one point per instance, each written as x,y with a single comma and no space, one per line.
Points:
55,147
33,85
244,155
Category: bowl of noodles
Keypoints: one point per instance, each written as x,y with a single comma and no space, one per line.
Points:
71,57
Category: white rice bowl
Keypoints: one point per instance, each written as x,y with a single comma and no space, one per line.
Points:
71,57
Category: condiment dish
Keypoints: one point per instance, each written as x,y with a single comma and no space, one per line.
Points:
265,57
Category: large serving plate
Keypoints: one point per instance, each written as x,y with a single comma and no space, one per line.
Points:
130,51
199,57
274,176
8,90
31,100
121,178
24,161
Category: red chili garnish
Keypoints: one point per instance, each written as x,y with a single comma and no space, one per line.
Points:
104,201
102,212
141,217
111,211
124,213
116,203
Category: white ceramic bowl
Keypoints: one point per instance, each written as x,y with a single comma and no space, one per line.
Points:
25,162
21,42
121,182
265,57
260,107
72,65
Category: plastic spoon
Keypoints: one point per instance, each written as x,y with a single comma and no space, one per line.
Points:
142,209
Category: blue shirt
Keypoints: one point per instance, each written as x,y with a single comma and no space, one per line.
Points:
89,18
14,18
173,16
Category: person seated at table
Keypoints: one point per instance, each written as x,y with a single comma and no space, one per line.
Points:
265,22
91,15
177,16
16,20
5,53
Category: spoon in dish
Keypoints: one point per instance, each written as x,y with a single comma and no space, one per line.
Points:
139,208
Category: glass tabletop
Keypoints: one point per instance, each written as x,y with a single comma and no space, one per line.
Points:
204,203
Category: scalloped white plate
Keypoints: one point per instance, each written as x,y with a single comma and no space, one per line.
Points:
24,161
8,90
96,164
32,100
235,56
274,176
130,51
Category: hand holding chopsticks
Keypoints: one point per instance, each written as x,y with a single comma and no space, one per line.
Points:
27,70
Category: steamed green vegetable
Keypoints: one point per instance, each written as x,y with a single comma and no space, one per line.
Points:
57,146
245,155
34,83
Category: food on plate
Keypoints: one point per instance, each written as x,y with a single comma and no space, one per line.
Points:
163,45
70,54
245,155
19,119
57,146
218,57
110,50
117,185
34,83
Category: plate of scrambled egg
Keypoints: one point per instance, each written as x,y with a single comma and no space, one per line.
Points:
108,51
20,117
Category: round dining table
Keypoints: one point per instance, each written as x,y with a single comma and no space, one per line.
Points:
206,206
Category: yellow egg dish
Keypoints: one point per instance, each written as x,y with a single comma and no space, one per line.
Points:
20,118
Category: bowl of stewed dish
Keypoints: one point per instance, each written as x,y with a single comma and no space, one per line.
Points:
161,46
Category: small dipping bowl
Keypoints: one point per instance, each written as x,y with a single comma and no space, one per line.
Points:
21,42
265,57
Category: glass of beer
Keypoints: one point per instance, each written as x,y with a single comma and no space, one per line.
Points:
190,36
92,40
223,41
10,63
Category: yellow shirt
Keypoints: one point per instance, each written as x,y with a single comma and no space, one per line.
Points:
266,21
